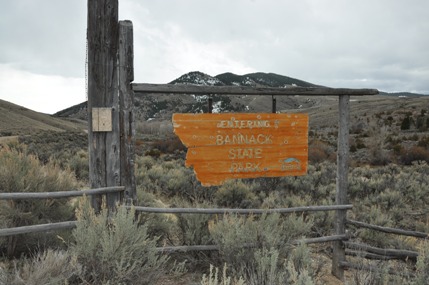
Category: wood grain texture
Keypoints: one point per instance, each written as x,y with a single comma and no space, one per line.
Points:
126,114
338,254
102,37
246,90
230,146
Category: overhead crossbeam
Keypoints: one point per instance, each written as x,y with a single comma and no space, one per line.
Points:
246,90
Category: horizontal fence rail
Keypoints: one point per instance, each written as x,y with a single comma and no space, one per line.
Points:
51,195
240,211
38,228
388,230
60,194
370,268
187,248
245,90
394,253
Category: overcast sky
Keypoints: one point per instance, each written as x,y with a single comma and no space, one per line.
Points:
381,44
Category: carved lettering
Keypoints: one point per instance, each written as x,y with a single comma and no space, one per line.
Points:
243,139
243,124
237,167
244,153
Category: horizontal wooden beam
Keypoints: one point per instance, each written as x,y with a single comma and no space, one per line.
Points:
59,194
371,268
37,228
322,239
368,255
187,248
388,230
246,90
241,211
397,253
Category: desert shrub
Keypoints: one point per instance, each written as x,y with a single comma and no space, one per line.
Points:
153,152
24,173
422,265
169,145
235,194
170,179
114,249
159,225
79,164
239,238
50,267
213,278
47,145
193,229
415,153
406,123
319,151
268,268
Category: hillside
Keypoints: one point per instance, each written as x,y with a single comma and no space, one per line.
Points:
17,120
151,107
154,109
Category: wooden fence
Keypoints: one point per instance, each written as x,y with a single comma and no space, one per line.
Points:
351,248
51,195
110,73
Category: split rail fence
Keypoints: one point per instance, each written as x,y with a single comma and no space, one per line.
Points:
111,73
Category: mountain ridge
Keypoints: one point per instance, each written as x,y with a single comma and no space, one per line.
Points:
17,120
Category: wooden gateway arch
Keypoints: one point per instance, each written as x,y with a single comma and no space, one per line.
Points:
111,112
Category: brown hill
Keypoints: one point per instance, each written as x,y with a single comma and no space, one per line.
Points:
17,120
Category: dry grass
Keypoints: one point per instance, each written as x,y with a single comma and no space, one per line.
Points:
17,120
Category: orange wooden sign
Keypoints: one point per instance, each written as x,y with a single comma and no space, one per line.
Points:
227,146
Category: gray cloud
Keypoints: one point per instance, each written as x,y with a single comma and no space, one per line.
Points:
339,43
44,37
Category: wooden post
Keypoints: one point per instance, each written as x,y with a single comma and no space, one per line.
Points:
274,107
126,102
342,184
102,35
210,104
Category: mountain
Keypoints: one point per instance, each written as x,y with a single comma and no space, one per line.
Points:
261,79
160,107
258,79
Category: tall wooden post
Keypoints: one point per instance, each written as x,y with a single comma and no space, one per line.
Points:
342,184
103,101
126,104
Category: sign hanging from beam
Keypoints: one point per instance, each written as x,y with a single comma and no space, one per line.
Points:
229,146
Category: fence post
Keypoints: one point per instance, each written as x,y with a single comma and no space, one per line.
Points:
126,103
102,35
338,255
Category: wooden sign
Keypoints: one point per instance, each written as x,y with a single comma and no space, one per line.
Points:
228,146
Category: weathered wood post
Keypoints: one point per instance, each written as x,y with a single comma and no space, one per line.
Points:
342,184
103,101
126,104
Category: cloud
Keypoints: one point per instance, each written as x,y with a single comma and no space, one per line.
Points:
338,43
42,93
44,37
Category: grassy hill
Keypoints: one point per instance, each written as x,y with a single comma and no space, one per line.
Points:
17,120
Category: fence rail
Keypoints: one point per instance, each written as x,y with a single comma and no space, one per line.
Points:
60,194
50,195
388,230
241,211
246,90
187,248
37,228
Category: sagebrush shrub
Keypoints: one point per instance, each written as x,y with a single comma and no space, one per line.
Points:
235,194
243,240
20,172
50,267
114,249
